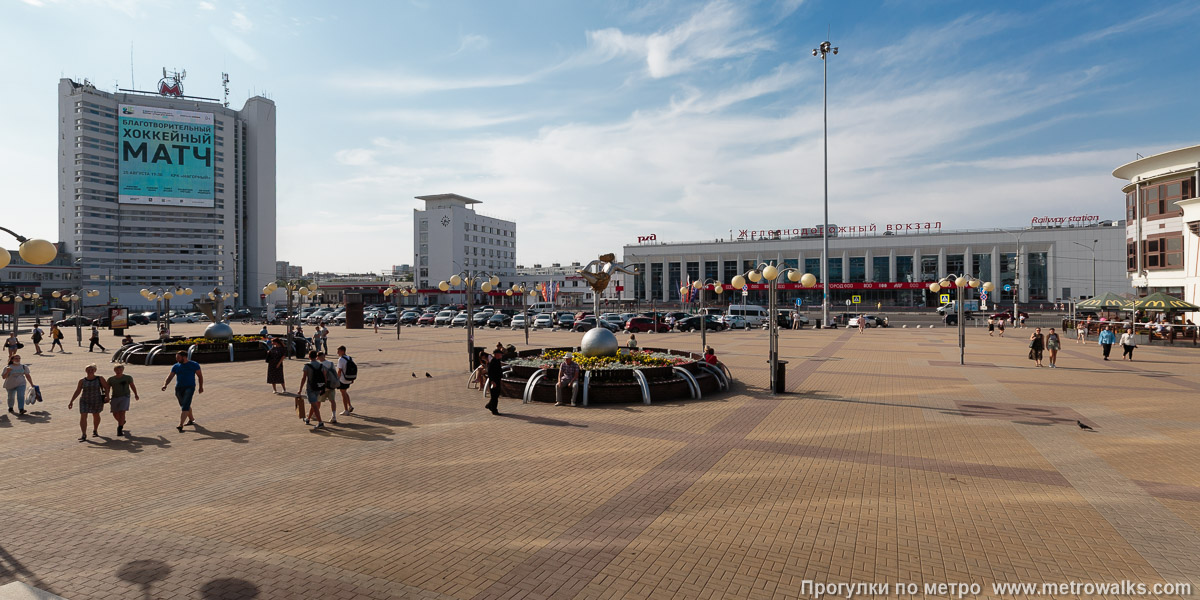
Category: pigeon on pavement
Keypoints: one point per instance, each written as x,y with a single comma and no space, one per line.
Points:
1083,427
428,375
414,375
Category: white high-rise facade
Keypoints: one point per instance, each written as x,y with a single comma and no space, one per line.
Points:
449,236
158,191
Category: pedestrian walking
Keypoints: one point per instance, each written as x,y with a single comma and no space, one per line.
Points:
991,326
1037,343
120,385
495,371
275,356
1000,327
12,344
329,394
1053,343
92,392
1081,331
1106,340
1128,343
36,338
313,382
347,372
186,374
568,373
56,337
95,340
321,338
1023,317
862,323
15,376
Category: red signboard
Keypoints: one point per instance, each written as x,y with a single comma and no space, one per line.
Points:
860,285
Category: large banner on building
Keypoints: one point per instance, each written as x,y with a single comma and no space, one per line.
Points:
165,156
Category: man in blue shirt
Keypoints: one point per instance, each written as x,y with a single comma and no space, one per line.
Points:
186,373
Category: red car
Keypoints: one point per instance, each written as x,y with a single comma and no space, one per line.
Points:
426,319
642,324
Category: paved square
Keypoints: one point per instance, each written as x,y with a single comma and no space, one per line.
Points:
887,462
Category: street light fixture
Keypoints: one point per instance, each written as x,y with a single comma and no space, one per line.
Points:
396,290
823,51
165,295
960,283
701,286
468,279
74,296
771,273
296,289
519,289
34,252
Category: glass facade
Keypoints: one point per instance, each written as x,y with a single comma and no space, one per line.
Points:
879,269
674,280
835,270
929,265
693,271
639,281
731,269
981,266
858,269
1008,267
711,271
904,268
813,265
1036,275
656,280
955,265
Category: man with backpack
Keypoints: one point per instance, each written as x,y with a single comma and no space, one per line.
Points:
347,372
332,384
316,378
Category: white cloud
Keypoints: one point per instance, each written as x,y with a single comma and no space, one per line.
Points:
471,42
440,119
238,47
241,23
202,5
409,84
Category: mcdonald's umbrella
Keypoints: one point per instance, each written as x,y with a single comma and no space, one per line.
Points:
1109,301
1164,303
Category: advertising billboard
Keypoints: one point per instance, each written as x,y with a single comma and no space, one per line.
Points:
118,318
165,156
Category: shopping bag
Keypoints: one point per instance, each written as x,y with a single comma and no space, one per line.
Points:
34,395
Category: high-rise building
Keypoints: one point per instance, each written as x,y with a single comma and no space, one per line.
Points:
449,236
158,190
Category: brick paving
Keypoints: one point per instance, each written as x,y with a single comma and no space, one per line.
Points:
886,462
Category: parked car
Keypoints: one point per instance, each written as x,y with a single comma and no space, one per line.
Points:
183,319
459,320
566,320
389,318
673,317
518,321
589,323
426,319
70,322
409,317
735,322
711,323
1007,315
875,321
499,320
641,324
444,318
481,318
543,320
138,319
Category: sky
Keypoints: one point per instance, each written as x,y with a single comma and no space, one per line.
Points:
592,123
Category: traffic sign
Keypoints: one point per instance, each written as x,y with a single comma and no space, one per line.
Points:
856,299
847,302
799,301
1007,287
745,293
983,297
945,298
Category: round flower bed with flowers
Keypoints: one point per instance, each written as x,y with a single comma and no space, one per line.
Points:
612,378
245,347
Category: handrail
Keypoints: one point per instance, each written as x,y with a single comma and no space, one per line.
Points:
192,349
693,385
645,385
123,353
154,352
528,394
722,382
587,382
230,351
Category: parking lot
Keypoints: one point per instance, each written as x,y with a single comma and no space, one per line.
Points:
885,462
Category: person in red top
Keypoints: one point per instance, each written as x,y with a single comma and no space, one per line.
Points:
710,356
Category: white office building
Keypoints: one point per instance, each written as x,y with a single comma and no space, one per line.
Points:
159,190
450,236
1162,234
1043,263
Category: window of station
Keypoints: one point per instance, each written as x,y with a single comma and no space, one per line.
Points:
981,266
904,268
729,269
880,271
835,270
858,269
1160,199
674,281
710,270
955,264
813,265
929,268
1164,252
693,271
656,280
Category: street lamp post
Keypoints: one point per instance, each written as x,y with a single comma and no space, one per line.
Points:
771,273
823,51
165,295
396,290
1016,315
468,279
701,286
34,252
296,289
519,289
16,297
75,297
1093,249
960,283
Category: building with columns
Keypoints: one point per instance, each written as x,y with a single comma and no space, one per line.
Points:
1057,263
1162,238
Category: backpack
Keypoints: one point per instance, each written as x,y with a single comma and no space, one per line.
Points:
350,373
316,375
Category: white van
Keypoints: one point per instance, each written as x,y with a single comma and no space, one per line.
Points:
753,314
538,307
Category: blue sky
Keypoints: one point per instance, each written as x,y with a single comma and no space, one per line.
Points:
591,123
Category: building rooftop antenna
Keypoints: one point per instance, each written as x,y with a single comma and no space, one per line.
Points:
225,84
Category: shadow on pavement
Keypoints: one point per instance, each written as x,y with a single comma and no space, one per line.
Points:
541,420
10,568
34,416
230,436
144,573
356,431
228,589
384,421
132,444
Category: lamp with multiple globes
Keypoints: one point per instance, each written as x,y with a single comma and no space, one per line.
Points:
519,290
772,273
471,280
75,297
961,284
702,286
164,296
32,251
397,291
297,290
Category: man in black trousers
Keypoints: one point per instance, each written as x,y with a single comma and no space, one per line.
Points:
495,373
